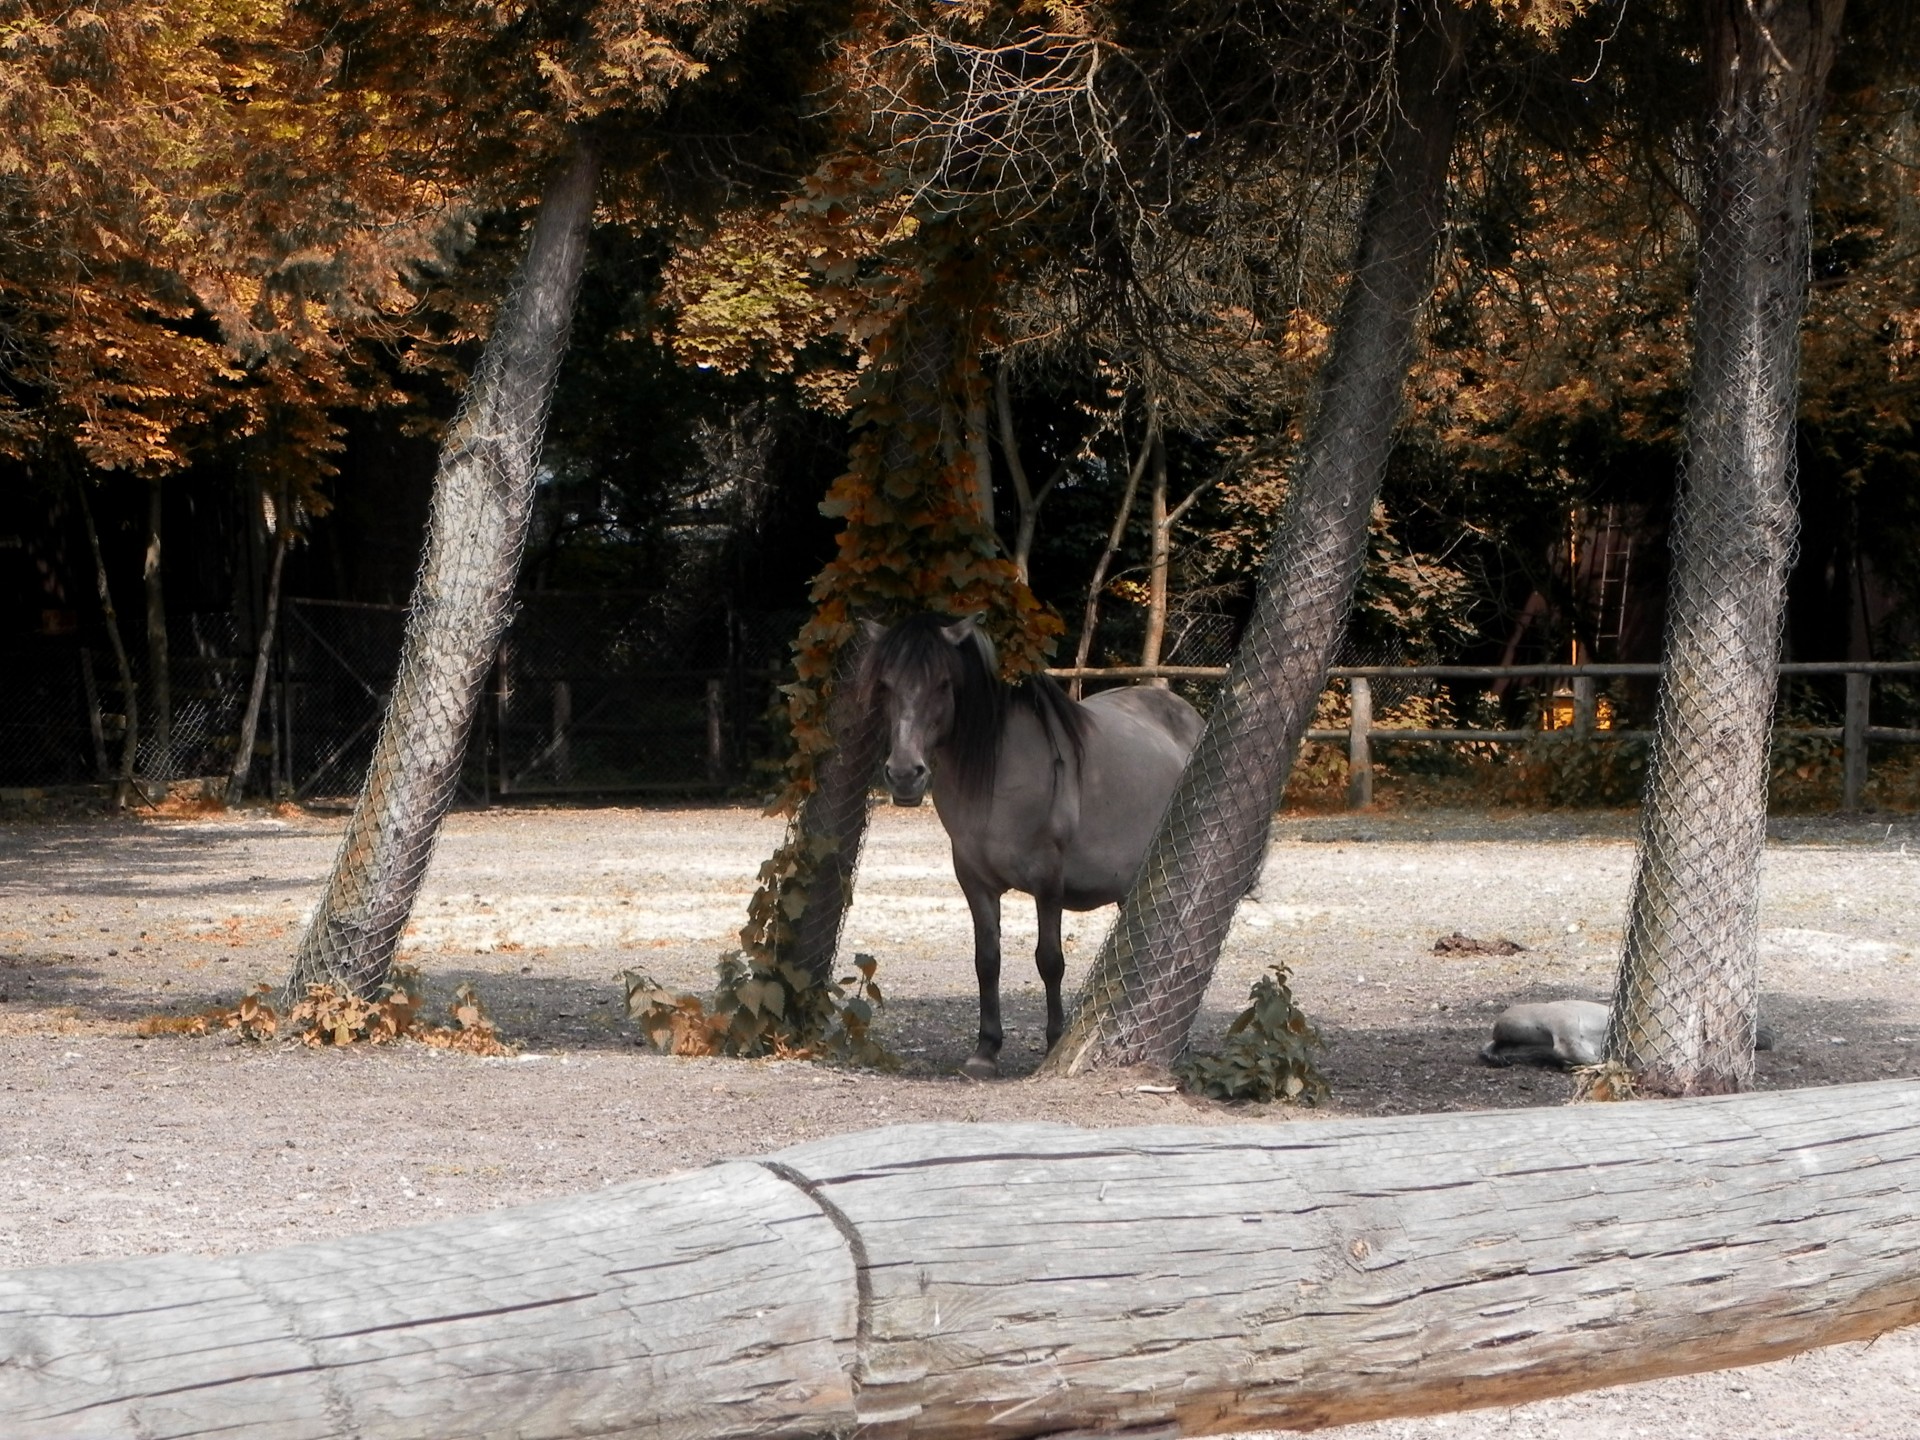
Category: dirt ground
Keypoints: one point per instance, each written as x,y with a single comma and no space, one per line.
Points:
115,1145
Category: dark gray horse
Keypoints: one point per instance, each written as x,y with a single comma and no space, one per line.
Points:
1038,792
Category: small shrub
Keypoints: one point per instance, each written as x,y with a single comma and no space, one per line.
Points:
472,1031
1268,1055
753,1012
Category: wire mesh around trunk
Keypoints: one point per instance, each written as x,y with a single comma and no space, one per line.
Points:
1686,1001
1140,1000
461,604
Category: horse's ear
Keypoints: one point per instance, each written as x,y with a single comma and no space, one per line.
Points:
871,630
960,630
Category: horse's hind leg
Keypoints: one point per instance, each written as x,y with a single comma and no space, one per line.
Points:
984,1064
1051,961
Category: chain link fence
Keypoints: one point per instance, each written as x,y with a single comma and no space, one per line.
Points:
63,707
1144,990
589,694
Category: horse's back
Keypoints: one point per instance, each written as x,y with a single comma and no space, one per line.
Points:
1076,830
1136,745
1154,706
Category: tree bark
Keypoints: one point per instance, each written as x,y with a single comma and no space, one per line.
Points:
1141,997
1026,498
1159,559
1090,619
263,655
1687,997
159,668
123,666
942,1281
833,819
461,605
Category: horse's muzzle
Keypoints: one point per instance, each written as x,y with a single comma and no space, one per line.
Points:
908,784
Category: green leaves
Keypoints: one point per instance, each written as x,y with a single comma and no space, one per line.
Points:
1269,1052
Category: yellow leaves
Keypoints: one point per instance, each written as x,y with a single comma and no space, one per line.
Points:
1305,339
742,298
1540,17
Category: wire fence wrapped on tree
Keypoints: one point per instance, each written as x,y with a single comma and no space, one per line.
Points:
1144,991
462,603
1686,1003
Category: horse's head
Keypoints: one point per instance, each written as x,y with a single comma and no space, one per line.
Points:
913,676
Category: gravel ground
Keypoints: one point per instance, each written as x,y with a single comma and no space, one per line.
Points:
115,1145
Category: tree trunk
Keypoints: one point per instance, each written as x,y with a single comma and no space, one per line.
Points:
461,604
940,1281
159,670
1090,619
980,448
833,819
1687,998
1026,498
262,657
1159,559
123,666
1140,1000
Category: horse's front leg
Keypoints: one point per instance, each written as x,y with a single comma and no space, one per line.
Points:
984,902
1051,961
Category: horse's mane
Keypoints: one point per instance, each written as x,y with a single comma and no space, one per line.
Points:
917,649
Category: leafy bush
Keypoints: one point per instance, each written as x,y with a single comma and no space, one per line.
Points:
765,1007
1268,1055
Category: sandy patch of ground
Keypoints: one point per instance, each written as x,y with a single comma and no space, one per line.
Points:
116,1146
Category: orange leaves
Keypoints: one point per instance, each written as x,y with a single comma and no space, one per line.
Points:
327,1017
181,154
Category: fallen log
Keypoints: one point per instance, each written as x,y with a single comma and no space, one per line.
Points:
1016,1280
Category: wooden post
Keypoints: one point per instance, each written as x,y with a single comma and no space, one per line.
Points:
1853,783
1583,706
1359,748
562,731
947,1282
90,690
716,730
502,698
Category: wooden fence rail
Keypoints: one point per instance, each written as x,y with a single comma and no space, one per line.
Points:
1856,734
948,1281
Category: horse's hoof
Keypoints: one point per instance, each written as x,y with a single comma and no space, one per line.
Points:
979,1067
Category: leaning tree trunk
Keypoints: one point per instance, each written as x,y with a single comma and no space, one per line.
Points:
461,605
1140,999
945,1282
833,819
1688,990
832,823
